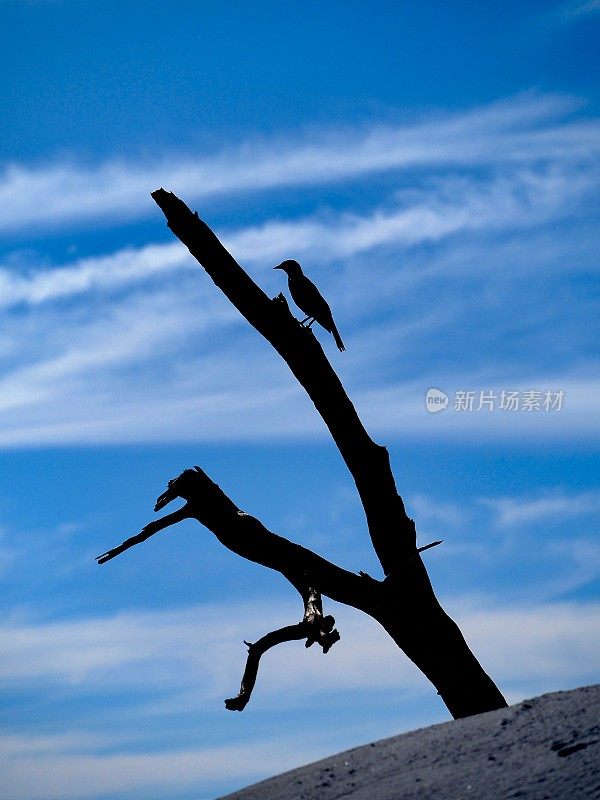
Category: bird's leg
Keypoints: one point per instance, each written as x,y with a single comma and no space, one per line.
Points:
305,319
311,322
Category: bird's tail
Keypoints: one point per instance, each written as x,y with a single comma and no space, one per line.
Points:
337,337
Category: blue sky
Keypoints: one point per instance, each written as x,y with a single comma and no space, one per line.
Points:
436,171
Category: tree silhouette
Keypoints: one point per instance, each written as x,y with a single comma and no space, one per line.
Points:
403,602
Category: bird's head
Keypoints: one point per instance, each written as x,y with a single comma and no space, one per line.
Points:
181,486
290,267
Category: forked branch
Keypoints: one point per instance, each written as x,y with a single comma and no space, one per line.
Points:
246,536
392,531
207,503
407,608
404,602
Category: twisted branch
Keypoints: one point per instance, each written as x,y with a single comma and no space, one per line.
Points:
314,628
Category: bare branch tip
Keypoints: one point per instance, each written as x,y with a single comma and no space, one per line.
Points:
431,544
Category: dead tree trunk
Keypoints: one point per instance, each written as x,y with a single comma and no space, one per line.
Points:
403,602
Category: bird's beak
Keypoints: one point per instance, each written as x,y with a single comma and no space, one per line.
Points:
166,498
278,267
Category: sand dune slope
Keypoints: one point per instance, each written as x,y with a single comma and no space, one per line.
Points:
547,748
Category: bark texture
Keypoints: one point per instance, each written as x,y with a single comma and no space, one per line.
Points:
403,602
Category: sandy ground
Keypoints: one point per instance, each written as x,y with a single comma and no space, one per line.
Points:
547,748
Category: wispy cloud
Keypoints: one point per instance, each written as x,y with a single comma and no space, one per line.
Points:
147,327
201,648
130,265
518,643
166,365
82,401
134,345
584,9
524,198
399,408
558,505
441,513
536,548
529,650
174,648
67,773
526,129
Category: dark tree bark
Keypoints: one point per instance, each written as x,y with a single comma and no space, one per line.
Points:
403,602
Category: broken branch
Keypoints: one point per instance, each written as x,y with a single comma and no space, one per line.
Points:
314,628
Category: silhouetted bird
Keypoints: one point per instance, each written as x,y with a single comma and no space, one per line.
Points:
309,299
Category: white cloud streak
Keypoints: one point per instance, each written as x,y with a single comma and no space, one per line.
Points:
558,506
524,199
107,348
399,408
582,9
517,131
165,365
257,403
533,649
543,643
156,651
127,266
71,775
